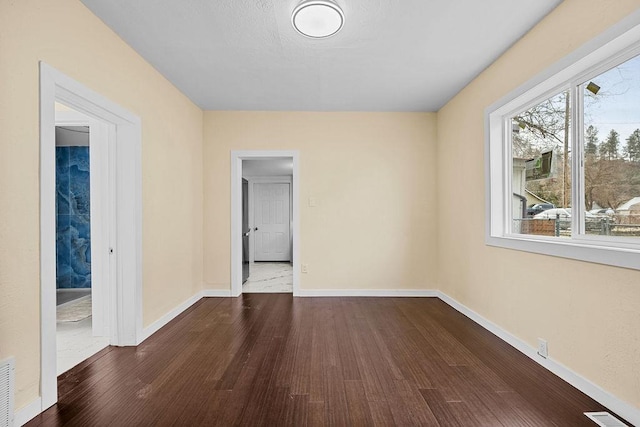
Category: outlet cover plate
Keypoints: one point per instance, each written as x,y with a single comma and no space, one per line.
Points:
543,349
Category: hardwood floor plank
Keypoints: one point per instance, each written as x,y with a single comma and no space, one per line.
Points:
378,377
381,413
297,410
316,414
445,412
290,352
301,375
518,412
409,407
271,360
359,412
335,405
348,360
249,328
442,341
508,405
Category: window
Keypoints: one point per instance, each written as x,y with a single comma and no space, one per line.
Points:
541,164
563,157
611,151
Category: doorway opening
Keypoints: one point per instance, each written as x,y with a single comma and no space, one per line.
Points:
81,309
265,237
114,222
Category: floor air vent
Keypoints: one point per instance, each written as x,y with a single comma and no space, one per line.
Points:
605,419
7,375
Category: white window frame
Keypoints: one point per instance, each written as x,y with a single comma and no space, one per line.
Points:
615,46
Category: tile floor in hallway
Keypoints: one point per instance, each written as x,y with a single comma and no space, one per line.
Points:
265,277
75,341
64,296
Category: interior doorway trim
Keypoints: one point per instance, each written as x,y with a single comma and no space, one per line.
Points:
236,213
124,134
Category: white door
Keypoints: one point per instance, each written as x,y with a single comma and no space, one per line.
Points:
271,221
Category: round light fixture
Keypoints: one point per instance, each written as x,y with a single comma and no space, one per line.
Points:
317,18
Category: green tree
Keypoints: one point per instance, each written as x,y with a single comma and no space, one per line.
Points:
632,149
609,147
591,141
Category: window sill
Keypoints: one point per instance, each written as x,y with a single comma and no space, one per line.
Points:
571,249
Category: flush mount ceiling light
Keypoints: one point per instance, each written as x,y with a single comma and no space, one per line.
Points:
317,18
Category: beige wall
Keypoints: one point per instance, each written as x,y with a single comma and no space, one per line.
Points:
389,212
590,314
373,176
68,37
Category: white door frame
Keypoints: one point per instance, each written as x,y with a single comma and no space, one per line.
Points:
126,259
99,196
236,213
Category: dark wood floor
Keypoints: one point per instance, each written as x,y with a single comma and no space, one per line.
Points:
270,359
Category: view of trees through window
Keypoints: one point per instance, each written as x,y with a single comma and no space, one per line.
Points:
542,158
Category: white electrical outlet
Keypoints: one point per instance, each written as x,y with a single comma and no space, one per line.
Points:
543,350
305,268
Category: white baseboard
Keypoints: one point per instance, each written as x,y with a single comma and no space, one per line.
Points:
212,293
29,412
620,407
155,326
366,293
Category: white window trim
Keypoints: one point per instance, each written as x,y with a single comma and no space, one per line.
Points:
619,43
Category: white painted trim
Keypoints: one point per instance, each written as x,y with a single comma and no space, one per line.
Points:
252,224
125,129
236,213
597,393
429,293
216,293
168,317
614,45
29,412
48,385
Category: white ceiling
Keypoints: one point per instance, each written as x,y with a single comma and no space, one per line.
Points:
391,55
268,167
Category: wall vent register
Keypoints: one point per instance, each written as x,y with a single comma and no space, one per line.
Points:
7,379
